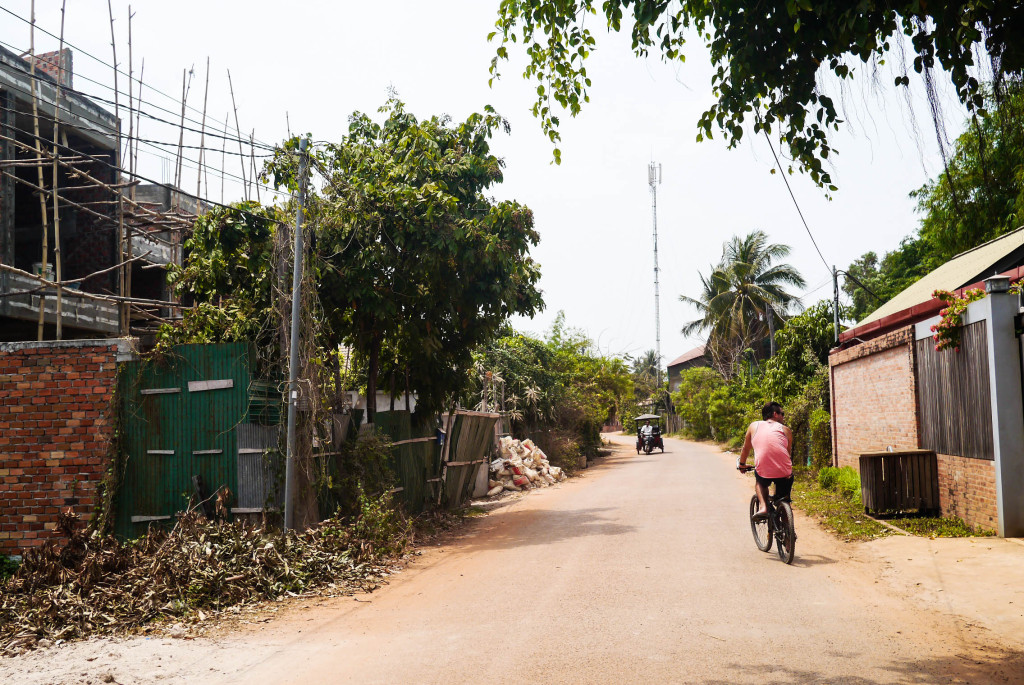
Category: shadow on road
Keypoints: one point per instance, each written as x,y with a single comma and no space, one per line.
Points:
809,560
992,666
538,527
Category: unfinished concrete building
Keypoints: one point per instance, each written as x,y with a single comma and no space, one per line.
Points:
95,265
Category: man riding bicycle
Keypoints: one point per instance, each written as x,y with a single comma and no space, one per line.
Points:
772,442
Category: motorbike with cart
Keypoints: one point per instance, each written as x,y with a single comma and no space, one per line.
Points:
653,441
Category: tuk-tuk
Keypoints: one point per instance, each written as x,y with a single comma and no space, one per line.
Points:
648,443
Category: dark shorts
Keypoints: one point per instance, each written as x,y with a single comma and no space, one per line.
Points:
783,486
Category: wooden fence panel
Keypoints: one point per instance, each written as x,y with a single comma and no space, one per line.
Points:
953,396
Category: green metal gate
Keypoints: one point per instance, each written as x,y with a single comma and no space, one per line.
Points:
180,416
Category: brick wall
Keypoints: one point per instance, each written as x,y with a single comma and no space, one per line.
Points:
967,488
55,425
874,405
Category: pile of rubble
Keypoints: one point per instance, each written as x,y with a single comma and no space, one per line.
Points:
521,466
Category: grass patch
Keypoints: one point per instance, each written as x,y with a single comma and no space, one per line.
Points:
939,527
844,516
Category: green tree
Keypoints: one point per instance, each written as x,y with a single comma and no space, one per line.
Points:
697,390
769,58
745,292
980,194
802,348
226,276
560,383
416,266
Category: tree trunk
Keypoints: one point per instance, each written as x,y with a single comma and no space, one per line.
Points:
391,390
371,377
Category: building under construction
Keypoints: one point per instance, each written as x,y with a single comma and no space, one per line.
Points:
83,248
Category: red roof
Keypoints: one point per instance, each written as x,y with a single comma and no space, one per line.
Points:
695,353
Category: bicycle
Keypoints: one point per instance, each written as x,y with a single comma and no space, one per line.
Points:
777,525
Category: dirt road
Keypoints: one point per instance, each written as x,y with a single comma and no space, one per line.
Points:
642,570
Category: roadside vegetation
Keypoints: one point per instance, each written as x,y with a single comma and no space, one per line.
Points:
558,390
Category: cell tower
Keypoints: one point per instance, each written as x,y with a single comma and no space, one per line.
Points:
654,180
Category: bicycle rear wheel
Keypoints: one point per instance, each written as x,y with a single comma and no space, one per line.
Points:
786,532
760,528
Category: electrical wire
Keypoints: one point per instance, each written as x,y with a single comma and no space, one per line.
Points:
136,175
42,77
108,65
192,164
864,287
791,195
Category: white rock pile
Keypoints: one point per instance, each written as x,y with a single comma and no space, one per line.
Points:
521,466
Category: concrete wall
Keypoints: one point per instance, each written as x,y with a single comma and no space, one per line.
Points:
874,405
55,431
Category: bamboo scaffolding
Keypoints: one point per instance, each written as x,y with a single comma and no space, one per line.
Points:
180,219
223,155
238,131
42,198
58,263
183,222
252,155
123,285
181,129
202,137
131,102
110,299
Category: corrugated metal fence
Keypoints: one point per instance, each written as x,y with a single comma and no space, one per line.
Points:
184,418
414,457
471,441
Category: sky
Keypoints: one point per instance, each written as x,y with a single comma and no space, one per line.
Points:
303,67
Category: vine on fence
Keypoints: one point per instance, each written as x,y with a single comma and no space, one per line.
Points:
947,331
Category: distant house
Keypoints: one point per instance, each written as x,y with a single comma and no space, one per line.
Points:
891,389
698,356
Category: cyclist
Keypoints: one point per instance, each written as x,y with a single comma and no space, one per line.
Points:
772,442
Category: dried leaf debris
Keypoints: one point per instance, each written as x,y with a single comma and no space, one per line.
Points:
88,583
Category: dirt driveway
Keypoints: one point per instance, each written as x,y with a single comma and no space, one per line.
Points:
641,570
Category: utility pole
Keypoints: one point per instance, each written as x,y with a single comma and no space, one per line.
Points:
293,361
653,180
835,304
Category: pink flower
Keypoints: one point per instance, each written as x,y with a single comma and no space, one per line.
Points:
936,348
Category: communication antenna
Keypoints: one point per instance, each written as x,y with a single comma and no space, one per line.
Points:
654,180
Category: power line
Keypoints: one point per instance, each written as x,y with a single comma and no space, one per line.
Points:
864,287
140,177
91,96
192,164
108,65
791,195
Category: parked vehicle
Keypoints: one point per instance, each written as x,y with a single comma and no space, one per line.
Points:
649,443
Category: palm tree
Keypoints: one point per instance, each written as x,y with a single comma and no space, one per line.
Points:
744,297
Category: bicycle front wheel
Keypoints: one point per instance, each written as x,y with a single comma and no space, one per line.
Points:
760,528
786,532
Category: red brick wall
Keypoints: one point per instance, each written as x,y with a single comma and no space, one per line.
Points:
55,425
874,405
967,488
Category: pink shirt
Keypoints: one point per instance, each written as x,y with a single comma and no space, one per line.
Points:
771,450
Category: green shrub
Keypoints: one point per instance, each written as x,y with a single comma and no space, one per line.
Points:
820,433
849,482
828,477
381,528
